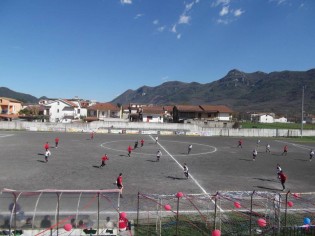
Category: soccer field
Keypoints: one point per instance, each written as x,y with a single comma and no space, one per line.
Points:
215,164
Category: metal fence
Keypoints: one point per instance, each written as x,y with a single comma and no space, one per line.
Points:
230,213
47,212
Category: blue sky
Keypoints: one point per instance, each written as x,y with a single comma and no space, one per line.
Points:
97,49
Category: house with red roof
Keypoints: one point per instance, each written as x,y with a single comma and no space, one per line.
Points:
102,111
181,113
168,113
9,108
64,110
186,112
216,113
153,114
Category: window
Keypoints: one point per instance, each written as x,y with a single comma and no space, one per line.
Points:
78,111
58,103
57,110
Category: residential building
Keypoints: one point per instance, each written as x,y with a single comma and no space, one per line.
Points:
168,113
9,108
102,111
153,114
216,113
62,110
310,119
281,120
201,112
186,112
263,117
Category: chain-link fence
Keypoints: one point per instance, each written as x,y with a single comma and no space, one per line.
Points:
230,213
47,212
222,213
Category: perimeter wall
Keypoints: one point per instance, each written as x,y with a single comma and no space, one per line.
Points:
125,127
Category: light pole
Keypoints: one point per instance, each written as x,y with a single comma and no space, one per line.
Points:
302,117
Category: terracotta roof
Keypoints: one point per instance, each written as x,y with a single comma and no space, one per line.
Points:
11,116
104,107
126,107
69,102
39,107
152,110
84,104
11,99
91,118
188,108
168,108
213,108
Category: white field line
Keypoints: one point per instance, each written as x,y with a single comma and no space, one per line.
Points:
5,135
296,145
190,175
150,154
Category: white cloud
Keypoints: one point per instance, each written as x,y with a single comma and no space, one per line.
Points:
165,78
174,28
138,16
189,6
223,21
224,11
221,2
238,12
184,19
161,29
126,1
155,22
279,2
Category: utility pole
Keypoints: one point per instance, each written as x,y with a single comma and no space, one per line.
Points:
302,117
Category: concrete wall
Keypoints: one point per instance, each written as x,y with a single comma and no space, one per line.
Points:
150,128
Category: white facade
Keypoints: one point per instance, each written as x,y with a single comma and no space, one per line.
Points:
266,119
281,120
103,115
79,111
224,116
152,118
64,111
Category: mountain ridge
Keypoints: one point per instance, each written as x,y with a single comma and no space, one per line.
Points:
22,97
279,92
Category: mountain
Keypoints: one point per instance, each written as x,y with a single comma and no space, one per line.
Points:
25,98
278,92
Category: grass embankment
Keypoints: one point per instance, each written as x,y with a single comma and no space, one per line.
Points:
250,125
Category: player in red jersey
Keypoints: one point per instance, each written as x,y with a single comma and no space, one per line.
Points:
56,142
283,178
240,143
129,150
119,183
46,146
285,150
104,159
